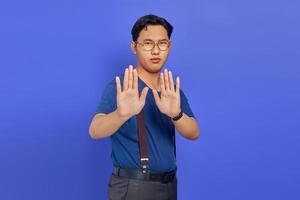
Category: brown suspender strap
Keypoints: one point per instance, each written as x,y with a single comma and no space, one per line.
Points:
143,141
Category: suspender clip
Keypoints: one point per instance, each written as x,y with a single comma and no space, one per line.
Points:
144,162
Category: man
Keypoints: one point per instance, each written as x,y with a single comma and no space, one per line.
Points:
120,112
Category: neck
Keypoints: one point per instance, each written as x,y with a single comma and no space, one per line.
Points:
151,79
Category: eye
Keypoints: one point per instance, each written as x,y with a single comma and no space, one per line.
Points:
147,43
163,42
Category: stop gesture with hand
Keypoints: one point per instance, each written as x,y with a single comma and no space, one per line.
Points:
169,100
129,102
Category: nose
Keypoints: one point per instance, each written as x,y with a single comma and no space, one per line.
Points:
155,50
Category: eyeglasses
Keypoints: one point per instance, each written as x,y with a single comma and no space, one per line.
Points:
148,45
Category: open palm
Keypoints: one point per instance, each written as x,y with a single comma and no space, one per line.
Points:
129,102
169,100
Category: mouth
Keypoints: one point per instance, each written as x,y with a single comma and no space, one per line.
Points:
155,60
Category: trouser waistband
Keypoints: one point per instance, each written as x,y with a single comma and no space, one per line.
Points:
132,173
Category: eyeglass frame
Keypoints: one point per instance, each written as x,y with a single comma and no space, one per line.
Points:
155,44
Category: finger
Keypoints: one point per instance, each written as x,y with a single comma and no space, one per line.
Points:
130,81
177,85
125,81
156,97
162,83
135,79
166,76
171,81
118,85
144,94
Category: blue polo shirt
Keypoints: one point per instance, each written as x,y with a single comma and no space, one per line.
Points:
159,129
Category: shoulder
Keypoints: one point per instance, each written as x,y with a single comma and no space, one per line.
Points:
111,84
109,89
182,94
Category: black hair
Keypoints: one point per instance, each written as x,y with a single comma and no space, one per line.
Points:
146,20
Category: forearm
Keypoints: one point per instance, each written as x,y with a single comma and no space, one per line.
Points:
106,125
187,127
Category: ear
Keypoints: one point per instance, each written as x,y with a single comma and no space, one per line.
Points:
171,43
133,47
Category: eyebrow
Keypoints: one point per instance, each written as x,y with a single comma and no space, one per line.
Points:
152,40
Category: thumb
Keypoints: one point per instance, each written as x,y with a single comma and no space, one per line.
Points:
144,94
156,97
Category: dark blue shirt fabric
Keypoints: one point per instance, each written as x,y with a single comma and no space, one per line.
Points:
159,129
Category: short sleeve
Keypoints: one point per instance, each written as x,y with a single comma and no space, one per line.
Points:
185,105
107,102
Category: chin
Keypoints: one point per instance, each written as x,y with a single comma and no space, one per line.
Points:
154,69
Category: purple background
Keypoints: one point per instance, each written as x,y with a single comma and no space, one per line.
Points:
239,67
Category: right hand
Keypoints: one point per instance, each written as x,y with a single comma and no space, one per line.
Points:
129,103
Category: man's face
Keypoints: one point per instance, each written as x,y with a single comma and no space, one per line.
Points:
151,60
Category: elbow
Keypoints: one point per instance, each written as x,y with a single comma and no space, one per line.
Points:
195,133
92,132
194,136
95,133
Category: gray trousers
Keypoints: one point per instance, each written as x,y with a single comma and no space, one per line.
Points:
121,188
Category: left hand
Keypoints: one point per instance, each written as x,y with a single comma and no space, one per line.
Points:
169,100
